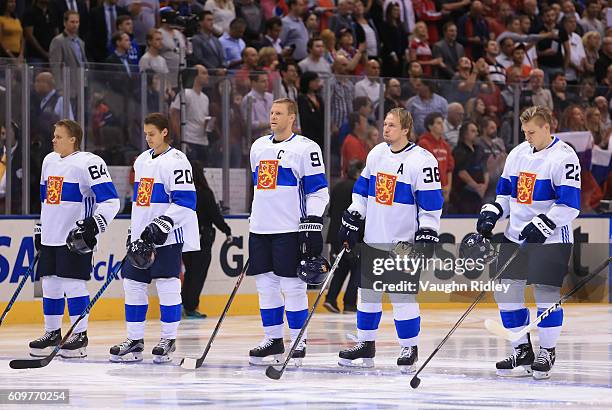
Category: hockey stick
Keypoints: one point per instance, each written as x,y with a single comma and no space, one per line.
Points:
192,364
272,372
498,329
37,363
415,381
21,285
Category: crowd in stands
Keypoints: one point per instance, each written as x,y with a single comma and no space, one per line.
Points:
464,69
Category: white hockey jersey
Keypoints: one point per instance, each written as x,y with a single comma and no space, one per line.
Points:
73,188
398,193
164,186
543,182
289,183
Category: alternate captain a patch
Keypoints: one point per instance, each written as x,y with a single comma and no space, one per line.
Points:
524,188
385,188
145,190
267,174
54,190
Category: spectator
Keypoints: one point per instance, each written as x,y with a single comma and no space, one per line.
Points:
393,92
343,93
267,59
271,38
261,105
433,141
329,42
60,7
294,31
494,153
605,59
505,57
394,39
310,107
194,135
361,105
475,109
356,56
586,93
530,9
496,19
425,11
449,50
575,68
497,72
472,80
122,44
590,20
419,50
252,14
311,21
406,10
370,85
473,31
39,27
568,9
424,103
602,105
289,81
145,14
537,94
342,19
560,96
224,13
207,49
102,25
470,177
233,44
452,123
11,32
152,60
68,49
249,58
553,53
198,262
339,200
173,42
572,119
51,102
315,61
373,137
125,24
355,146
591,43
154,89
518,58
514,31
365,30
595,126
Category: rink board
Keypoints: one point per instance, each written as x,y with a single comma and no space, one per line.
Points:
17,251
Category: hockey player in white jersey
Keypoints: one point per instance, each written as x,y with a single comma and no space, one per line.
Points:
78,201
539,191
289,196
399,195
164,224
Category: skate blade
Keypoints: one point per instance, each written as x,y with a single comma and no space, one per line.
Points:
41,352
521,371
73,354
407,369
126,358
358,363
161,359
541,375
266,361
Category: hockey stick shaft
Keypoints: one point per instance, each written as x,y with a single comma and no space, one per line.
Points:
36,363
531,326
225,310
276,374
467,312
20,287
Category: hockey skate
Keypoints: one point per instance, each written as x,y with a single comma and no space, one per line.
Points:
543,364
360,355
161,352
128,351
44,345
299,353
75,347
519,363
407,359
268,347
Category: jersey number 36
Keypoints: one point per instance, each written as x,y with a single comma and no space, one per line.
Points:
431,175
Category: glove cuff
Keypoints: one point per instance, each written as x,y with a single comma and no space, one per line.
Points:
311,223
164,223
38,229
544,225
426,235
100,223
493,207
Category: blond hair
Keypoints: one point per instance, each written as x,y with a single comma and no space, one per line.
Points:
74,130
291,105
405,119
537,111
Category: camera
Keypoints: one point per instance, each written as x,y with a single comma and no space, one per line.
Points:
187,24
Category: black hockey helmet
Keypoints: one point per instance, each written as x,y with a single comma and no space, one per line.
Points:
475,246
78,243
313,270
141,254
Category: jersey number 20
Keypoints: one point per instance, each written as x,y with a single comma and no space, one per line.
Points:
183,177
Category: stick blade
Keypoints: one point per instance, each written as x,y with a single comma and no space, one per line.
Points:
189,364
496,328
273,373
414,382
27,363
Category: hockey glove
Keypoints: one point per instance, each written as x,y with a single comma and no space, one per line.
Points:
128,240
82,239
157,231
538,230
37,236
425,240
489,214
310,237
350,229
